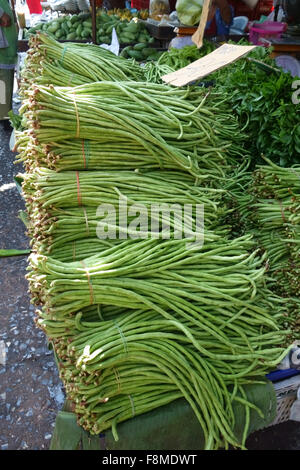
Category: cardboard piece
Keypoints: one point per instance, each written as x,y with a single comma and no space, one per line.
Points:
217,59
197,37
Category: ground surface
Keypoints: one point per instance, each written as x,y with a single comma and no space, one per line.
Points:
30,389
31,392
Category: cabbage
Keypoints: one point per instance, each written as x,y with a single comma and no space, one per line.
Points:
189,11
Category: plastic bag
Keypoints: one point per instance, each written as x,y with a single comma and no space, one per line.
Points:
20,9
189,11
158,8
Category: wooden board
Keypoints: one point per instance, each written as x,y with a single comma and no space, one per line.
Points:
217,59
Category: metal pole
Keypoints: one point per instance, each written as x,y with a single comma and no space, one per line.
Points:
94,31
14,13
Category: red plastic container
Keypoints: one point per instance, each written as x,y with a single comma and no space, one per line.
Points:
266,30
35,7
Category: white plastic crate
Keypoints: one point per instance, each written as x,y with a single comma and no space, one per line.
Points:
286,393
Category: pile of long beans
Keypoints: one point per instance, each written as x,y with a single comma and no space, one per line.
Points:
146,124
139,361
58,219
269,210
206,308
70,64
139,322
212,141
274,193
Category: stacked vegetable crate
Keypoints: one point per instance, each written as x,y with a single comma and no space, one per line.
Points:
140,320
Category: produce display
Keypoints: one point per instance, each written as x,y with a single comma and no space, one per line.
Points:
126,14
269,209
263,103
127,32
159,329
79,28
143,313
179,58
115,107
64,27
51,213
175,59
74,64
141,52
260,98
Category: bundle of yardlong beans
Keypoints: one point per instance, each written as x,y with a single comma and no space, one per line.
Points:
206,308
50,62
96,187
128,365
137,323
150,122
270,210
274,210
70,64
60,218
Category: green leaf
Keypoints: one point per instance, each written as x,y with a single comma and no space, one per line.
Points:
67,433
24,217
19,181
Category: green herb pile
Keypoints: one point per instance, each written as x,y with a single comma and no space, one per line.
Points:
178,58
174,59
260,98
263,103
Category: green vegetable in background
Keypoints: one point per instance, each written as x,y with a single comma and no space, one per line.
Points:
178,58
80,29
53,27
135,54
174,59
71,36
124,52
189,11
139,46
